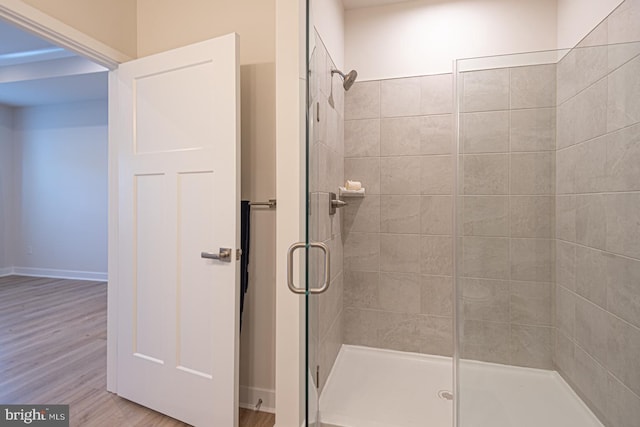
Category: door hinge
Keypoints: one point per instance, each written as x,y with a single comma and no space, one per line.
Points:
317,376
238,254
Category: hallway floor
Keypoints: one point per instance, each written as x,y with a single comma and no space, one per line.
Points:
53,349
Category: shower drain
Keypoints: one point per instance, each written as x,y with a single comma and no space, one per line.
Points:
445,394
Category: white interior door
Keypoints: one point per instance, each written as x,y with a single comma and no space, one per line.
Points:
179,194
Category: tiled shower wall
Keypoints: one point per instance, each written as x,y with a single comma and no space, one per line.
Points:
506,211
398,237
597,343
540,203
325,176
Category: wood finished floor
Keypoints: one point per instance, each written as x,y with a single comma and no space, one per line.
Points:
53,350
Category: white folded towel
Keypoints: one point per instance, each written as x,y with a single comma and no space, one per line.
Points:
353,185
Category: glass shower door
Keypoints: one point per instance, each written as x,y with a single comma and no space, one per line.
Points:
325,174
548,174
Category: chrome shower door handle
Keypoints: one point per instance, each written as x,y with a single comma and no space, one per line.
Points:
327,268
223,255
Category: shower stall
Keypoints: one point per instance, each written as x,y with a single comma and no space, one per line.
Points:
488,274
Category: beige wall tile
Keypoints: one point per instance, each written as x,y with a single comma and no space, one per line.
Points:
485,257
436,175
623,341
565,311
436,293
485,90
337,251
622,160
591,379
619,54
531,303
565,170
436,94
361,327
565,218
533,260
485,174
398,175
436,134
566,264
361,289
362,138
319,222
436,215
591,275
400,292
436,253
532,216
400,214
484,299
531,346
362,252
590,220
533,173
363,101
589,170
485,216
435,335
623,292
360,214
329,348
622,225
592,329
485,132
486,341
400,252
330,305
533,129
533,86
400,136
563,355
623,23
591,61
400,97
566,85
623,406
398,331
591,112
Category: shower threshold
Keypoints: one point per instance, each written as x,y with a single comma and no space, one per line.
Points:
384,388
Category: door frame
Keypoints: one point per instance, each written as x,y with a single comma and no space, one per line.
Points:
42,25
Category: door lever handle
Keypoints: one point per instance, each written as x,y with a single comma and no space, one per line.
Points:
223,255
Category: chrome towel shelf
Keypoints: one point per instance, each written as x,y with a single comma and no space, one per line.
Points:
271,203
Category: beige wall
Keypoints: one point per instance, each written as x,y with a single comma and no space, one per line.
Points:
257,341
167,24
113,22
425,36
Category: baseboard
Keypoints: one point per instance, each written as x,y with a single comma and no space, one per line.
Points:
7,271
59,274
249,398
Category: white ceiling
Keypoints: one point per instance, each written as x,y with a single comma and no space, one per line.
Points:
36,72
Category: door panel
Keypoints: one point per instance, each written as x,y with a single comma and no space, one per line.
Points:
178,118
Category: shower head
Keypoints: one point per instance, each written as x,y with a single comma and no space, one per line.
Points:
347,79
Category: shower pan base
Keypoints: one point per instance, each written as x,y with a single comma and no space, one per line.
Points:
382,388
